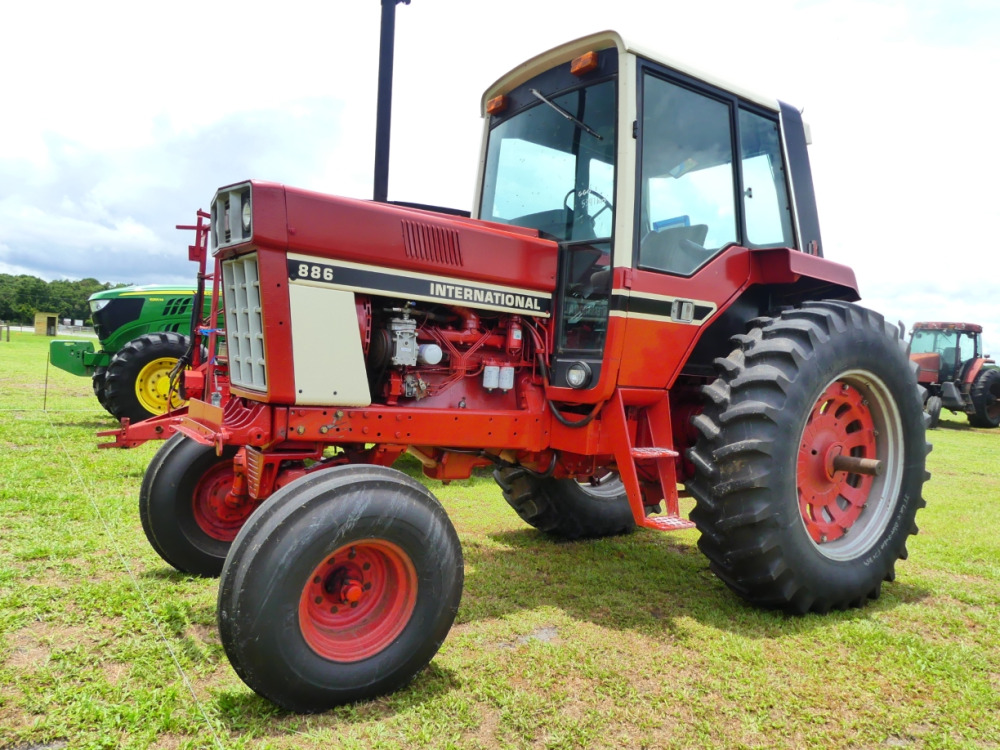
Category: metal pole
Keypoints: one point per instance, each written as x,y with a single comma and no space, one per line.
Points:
384,115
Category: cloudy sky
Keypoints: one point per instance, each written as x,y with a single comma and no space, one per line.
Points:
120,119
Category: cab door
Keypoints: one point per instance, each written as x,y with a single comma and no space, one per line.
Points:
710,184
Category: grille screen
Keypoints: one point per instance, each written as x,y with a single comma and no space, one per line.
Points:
244,323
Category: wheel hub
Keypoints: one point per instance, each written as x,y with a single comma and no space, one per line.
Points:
215,516
152,386
832,453
832,498
358,600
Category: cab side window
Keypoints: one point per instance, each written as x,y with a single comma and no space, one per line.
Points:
765,195
687,183
699,191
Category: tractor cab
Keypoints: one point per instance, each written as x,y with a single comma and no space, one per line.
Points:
657,181
944,352
954,372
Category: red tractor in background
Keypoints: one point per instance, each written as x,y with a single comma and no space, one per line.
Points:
955,373
638,300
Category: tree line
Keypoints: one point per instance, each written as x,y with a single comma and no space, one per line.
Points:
22,296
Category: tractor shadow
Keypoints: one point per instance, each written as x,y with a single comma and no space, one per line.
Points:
89,424
951,426
645,581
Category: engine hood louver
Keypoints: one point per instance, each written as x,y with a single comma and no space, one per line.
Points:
430,243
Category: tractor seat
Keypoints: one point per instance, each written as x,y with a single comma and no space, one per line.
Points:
947,364
676,249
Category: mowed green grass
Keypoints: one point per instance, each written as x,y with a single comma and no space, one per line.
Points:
625,642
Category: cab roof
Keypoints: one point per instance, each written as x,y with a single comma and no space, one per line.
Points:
964,327
605,40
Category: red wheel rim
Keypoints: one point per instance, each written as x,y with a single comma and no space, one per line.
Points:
217,518
840,423
358,600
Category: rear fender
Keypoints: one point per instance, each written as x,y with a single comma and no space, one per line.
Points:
972,372
798,277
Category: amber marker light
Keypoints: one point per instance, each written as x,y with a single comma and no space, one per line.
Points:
583,64
496,105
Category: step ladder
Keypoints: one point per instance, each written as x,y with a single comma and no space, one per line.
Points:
653,431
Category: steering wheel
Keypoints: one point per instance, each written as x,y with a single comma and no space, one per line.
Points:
588,192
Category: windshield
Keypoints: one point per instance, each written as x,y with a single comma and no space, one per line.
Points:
933,341
944,342
551,166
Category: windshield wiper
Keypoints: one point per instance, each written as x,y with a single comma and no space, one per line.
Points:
566,114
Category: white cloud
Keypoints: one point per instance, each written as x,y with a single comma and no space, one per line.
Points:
130,115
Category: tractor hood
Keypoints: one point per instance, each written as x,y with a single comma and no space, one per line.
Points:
928,366
380,235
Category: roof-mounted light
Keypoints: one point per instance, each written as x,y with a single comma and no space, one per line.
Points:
496,105
583,64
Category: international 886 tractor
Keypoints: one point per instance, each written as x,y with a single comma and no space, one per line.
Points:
640,300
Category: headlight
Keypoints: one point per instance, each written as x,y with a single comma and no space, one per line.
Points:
232,216
578,374
98,304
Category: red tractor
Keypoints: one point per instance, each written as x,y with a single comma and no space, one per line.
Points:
955,373
638,301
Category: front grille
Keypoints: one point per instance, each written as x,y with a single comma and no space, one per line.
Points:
244,323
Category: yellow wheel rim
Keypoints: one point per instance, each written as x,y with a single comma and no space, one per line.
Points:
152,387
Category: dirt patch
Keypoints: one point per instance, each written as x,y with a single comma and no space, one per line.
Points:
31,647
547,634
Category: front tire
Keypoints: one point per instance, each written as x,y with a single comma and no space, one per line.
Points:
99,386
933,409
781,526
566,508
137,382
341,587
985,394
183,509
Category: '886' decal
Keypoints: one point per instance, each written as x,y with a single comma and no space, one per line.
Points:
311,271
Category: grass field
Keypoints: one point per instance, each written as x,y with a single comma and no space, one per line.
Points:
625,642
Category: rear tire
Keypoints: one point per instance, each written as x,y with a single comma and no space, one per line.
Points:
137,382
985,394
780,526
182,506
933,409
567,508
341,587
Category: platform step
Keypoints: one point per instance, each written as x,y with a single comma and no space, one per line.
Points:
651,453
667,523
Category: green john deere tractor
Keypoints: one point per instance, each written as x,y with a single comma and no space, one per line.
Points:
142,331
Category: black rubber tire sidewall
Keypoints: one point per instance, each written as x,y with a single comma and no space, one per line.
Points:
746,485
564,507
166,506
275,554
840,580
933,411
98,384
980,392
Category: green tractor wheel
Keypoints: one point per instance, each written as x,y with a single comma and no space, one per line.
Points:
137,382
